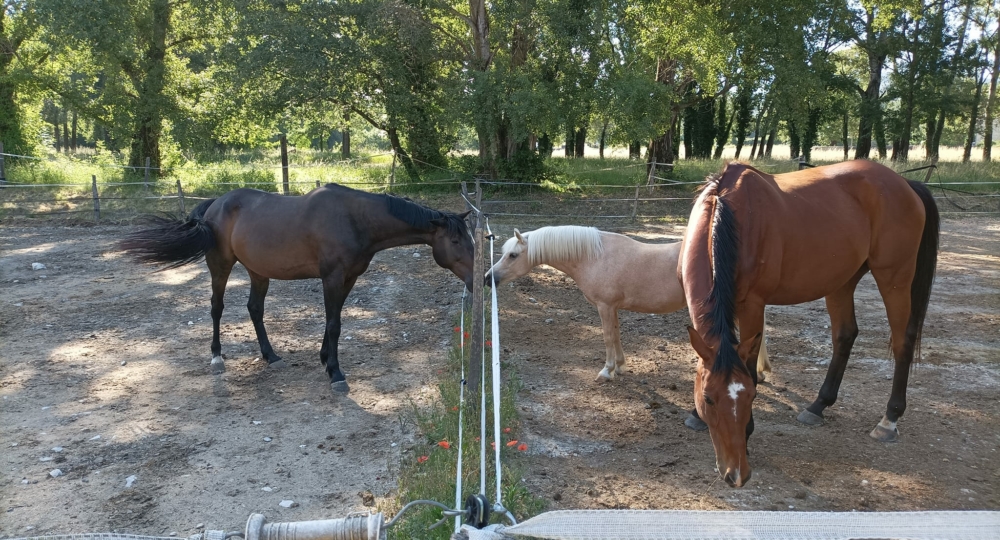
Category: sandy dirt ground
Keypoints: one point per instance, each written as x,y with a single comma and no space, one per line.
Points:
104,376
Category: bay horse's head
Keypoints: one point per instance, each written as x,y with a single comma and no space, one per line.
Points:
724,391
452,246
514,262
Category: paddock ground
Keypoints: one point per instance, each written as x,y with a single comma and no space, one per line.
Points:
110,362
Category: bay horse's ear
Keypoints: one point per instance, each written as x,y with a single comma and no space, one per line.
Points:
520,238
746,346
700,347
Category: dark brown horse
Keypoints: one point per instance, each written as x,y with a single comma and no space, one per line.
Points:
331,233
755,239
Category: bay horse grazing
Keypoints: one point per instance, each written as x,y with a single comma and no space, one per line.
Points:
612,270
755,239
331,233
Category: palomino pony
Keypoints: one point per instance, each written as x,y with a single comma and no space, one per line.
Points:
612,270
331,233
755,239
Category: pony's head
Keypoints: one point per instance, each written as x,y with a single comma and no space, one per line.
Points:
513,263
723,396
452,246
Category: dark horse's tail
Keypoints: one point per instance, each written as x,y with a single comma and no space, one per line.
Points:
173,242
920,290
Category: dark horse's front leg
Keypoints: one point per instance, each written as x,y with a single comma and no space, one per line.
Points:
336,287
255,305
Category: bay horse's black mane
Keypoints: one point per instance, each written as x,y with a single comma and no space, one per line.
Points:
721,315
418,215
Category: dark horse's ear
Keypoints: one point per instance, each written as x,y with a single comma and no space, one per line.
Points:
465,214
700,347
439,222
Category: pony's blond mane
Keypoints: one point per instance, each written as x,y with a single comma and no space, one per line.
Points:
562,243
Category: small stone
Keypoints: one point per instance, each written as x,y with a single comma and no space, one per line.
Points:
267,439
673,386
256,422
532,300
416,255
25,481
946,460
864,482
37,266
95,438
123,362
173,533
791,507
19,304
557,496
54,473
29,527
548,321
801,494
190,323
130,480
199,526
57,449
286,503
267,489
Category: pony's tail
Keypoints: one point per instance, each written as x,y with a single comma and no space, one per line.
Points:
920,290
172,242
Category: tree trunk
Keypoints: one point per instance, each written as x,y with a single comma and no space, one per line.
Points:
955,63
57,136
73,136
929,149
11,134
743,115
991,101
901,153
345,143
723,135
809,137
581,141
687,135
635,150
570,141
794,142
846,134
880,134
65,120
604,134
545,146
973,117
404,158
770,138
152,81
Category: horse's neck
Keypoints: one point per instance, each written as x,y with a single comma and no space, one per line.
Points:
398,233
569,267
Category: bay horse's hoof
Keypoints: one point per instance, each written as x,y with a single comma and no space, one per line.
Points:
695,423
339,387
885,431
809,418
218,365
280,364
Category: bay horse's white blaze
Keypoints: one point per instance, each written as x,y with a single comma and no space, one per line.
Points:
612,270
734,392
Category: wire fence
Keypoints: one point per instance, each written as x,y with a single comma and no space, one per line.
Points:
580,200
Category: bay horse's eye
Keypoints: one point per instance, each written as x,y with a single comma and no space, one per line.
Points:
709,400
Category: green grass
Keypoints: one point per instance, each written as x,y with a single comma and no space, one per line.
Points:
428,469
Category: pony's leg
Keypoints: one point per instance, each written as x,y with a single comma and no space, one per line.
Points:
335,291
255,305
220,269
843,330
763,360
895,290
612,342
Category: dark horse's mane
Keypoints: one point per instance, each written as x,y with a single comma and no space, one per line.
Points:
721,315
423,217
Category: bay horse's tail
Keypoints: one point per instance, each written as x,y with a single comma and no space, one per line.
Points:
173,242
920,290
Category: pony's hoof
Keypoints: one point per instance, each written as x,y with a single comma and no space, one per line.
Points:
809,418
761,376
339,387
278,364
695,423
882,433
604,376
218,365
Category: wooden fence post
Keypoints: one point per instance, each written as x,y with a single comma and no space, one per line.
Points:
3,170
145,178
392,173
180,197
317,184
930,170
478,270
652,174
97,200
802,161
284,163
635,203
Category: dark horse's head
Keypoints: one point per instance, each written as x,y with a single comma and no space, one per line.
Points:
449,234
452,245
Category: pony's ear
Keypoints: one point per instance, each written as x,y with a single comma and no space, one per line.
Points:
520,238
700,347
748,345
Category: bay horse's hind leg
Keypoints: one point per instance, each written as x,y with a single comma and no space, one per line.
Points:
844,330
895,289
255,305
219,269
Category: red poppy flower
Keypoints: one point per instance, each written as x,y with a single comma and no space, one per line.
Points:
522,447
422,459
506,430
444,444
512,443
457,329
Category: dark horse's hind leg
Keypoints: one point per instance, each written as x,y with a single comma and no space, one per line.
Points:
255,305
844,330
335,291
220,270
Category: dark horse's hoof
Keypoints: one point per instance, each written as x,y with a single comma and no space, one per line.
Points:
885,431
279,364
809,418
339,387
695,423
218,366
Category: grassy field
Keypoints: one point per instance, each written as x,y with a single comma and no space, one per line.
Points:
61,184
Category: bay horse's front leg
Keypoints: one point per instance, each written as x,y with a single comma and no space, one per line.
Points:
335,290
255,305
219,270
614,355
